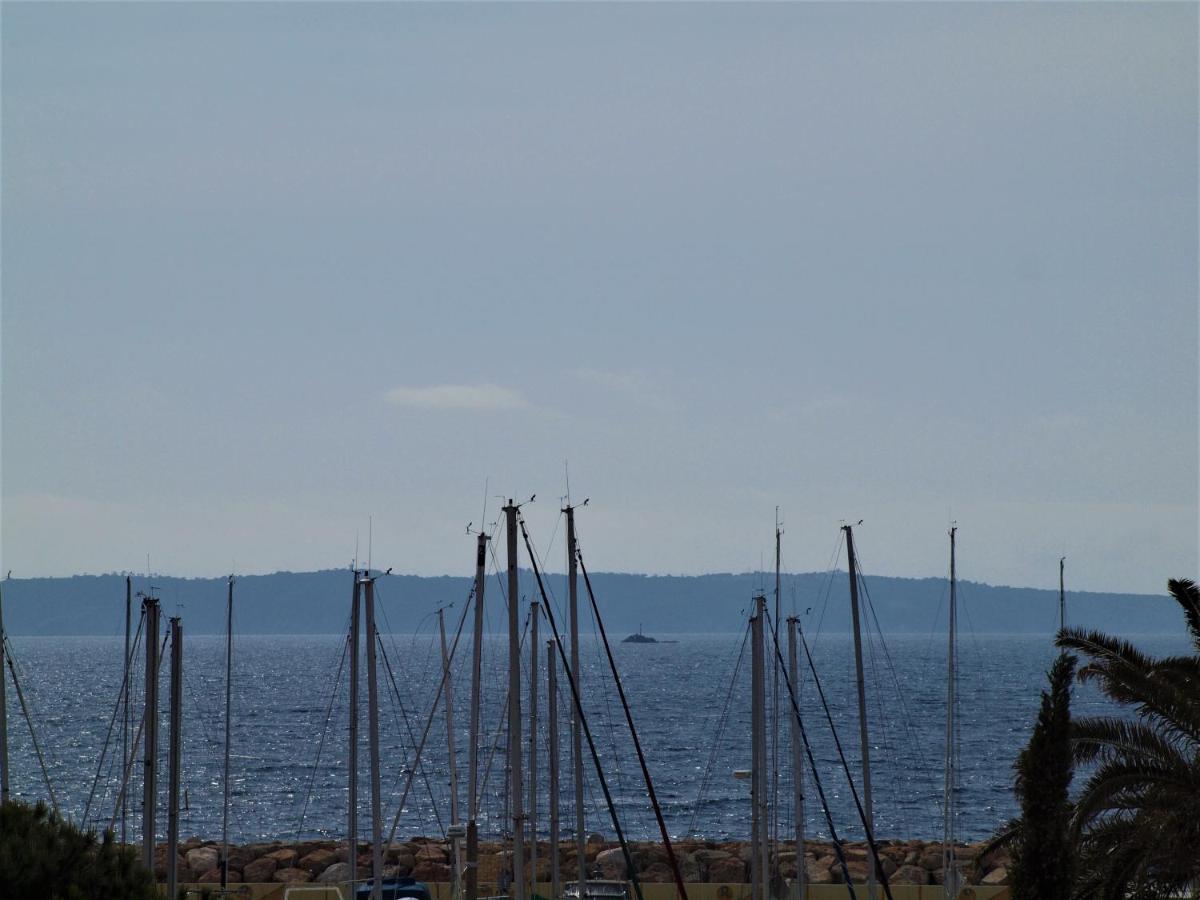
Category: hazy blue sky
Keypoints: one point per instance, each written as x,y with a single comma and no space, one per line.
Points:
271,269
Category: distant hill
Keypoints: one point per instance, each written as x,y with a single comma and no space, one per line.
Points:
317,603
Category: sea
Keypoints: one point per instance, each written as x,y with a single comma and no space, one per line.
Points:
690,702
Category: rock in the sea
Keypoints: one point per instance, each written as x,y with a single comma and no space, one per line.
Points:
260,871
706,856
335,874
690,868
910,874
931,859
201,859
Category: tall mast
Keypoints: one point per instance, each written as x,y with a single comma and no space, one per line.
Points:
774,837
758,839
576,732
852,563
150,757
949,865
472,878
552,715
534,612
1062,595
516,789
797,760
124,704
173,755
448,693
4,780
373,741
352,756
228,725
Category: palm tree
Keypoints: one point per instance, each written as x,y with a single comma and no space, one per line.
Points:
1137,818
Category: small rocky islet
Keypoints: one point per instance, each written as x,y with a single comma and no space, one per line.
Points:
713,862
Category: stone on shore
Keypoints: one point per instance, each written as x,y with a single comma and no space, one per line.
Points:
910,874
260,870
317,862
202,859
292,876
336,873
998,875
729,870
612,864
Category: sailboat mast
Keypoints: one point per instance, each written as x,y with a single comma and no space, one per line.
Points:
774,800
124,703
758,838
4,780
448,693
175,739
534,613
1062,594
352,755
516,789
552,715
472,869
868,810
228,724
797,760
150,757
949,866
373,742
576,732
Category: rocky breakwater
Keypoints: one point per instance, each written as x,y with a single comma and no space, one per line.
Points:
726,862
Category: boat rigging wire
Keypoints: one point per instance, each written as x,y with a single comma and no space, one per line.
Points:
122,696
612,810
337,685
837,743
706,778
637,744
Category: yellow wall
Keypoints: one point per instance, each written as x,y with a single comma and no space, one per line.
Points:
441,891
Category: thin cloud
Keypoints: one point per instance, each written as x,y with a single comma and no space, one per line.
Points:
467,397
635,385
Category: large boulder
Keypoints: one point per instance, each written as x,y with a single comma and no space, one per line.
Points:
690,868
931,859
657,873
706,856
335,874
201,859
259,871
998,875
910,875
727,871
431,853
817,871
317,861
284,858
291,875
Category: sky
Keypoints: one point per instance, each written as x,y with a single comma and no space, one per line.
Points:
277,276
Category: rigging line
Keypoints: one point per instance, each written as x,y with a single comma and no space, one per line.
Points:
862,815
637,744
337,685
562,653
122,695
812,764
908,722
706,778
387,664
425,734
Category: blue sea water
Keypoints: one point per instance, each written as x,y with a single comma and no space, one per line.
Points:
690,701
